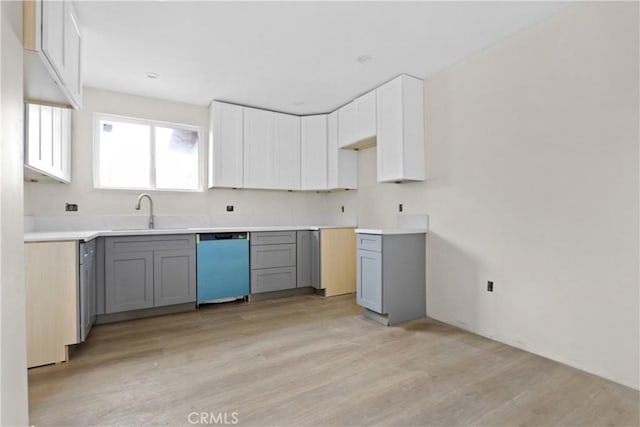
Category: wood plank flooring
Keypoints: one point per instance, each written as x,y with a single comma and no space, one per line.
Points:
312,361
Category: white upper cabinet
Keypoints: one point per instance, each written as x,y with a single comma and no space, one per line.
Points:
346,125
286,152
258,148
313,152
357,122
47,143
365,120
53,52
271,150
400,130
342,165
226,140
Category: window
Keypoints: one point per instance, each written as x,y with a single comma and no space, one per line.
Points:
142,154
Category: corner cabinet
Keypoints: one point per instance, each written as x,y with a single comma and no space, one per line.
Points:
149,271
313,152
47,143
226,136
400,130
53,52
391,283
342,165
271,150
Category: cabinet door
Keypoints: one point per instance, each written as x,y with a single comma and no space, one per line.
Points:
174,274
400,130
303,262
342,165
346,125
313,152
365,116
369,280
72,54
128,281
53,34
48,141
315,259
258,148
286,152
226,149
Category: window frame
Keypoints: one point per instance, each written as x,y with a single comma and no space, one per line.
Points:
152,134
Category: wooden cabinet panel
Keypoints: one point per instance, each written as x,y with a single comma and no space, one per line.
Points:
51,286
338,261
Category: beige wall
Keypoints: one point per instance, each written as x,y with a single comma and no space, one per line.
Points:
532,166
49,199
13,355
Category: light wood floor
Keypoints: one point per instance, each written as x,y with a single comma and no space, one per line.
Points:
309,361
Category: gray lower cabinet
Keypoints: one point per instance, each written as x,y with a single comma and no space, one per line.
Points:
149,271
390,272
303,260
308,260
273,258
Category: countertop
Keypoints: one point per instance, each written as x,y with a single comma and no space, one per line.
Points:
86,235
382,231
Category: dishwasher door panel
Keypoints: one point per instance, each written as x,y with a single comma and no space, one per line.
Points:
222,269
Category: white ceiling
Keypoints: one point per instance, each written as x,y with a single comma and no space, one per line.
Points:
277,55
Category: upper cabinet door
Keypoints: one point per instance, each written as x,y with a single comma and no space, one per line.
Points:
313,152
365,119
346,125
53,34
258,148
400,130
342,165
226,145
73,54
48,142
286,153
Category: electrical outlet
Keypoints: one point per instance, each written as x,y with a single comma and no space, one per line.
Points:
400,207
229,208
342,209
489,286
71,207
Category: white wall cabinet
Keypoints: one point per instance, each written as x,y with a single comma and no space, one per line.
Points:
346,125
47,142
357,123
271,150
342,165
285,169
313,153
400,130
226,135
53,52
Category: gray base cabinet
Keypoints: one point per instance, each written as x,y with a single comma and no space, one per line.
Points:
390,273
308,260
273,258
149,271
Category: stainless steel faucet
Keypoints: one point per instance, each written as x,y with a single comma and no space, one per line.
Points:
140,197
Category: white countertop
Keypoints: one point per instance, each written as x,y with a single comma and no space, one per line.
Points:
86,235
391,230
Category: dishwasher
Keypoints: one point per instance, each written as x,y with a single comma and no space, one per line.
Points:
222,267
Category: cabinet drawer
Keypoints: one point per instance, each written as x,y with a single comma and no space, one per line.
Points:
270,256
273,237
370,242
149,243
273,279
